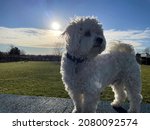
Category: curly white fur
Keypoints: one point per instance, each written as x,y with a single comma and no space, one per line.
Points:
84,81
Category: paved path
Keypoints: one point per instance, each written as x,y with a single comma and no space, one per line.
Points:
38,104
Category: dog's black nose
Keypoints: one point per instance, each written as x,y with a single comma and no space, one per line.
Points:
99,40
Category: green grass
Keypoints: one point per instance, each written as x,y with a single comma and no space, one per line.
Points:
31,78
44,79
146,83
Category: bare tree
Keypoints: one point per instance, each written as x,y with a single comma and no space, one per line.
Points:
58,49
22,52
147,50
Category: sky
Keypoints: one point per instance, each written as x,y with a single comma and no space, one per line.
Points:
27,23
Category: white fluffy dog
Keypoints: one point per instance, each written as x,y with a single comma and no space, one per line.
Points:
86,72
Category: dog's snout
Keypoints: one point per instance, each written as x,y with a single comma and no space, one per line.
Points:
99,40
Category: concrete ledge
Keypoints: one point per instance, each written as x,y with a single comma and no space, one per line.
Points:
38,104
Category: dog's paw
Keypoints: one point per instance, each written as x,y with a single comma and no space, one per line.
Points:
131,110
115,104
76,111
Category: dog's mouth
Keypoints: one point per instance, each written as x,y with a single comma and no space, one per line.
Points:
96,45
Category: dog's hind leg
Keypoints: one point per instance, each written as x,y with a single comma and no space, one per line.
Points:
119,94
133,87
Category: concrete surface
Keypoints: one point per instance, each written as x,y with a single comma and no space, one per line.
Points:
38,104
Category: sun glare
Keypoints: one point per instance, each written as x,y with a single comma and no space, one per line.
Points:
55,26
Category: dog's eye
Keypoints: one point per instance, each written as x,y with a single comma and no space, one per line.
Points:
87,34
81,29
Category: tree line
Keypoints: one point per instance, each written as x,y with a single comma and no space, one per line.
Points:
14,51
15,54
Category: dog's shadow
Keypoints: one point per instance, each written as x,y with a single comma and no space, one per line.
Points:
120,109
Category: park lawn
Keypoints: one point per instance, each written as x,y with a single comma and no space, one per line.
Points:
44,79
31,78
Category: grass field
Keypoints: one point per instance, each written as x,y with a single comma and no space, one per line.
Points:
44,79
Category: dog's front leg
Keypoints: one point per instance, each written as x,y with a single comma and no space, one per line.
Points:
90,101
77,101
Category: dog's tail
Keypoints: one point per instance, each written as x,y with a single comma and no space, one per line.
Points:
121,47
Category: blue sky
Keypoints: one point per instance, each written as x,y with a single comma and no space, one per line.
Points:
22,22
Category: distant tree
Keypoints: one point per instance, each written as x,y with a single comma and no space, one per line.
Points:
147,50
14,51
1,54
58,49
22,52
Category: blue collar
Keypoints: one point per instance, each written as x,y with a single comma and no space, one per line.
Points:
74,59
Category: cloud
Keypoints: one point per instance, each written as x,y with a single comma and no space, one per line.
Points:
138,38
30,37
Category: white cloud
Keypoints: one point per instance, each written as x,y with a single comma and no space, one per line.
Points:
30,37
134,37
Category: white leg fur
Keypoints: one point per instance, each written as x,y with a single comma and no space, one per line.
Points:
77,101
119,94
133,87
90,102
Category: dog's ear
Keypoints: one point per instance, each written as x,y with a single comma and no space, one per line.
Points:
68,31
63,34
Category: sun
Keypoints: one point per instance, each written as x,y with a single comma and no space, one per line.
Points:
55,26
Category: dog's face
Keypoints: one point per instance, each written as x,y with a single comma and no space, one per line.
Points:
85,37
